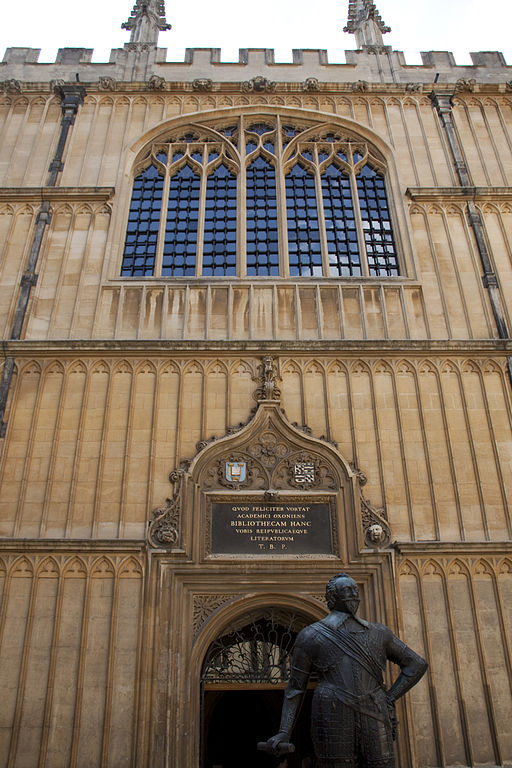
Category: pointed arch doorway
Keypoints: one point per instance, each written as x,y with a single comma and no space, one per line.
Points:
243,678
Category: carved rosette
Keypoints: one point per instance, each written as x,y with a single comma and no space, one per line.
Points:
377,532
164,529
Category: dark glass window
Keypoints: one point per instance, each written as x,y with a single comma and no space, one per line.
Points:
219,243
302,217
180,239
340,224
262,240
143,224
378,236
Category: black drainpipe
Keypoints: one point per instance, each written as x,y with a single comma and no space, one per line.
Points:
443,103
71,97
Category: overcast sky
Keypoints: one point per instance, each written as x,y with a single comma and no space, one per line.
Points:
459,26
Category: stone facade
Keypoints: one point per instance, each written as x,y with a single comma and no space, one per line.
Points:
401,386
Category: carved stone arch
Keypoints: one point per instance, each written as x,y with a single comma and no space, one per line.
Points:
77,366
129,568
20,102
106,101
314,367
85,209
506,208
122,366
7,210
216,368
241,368
434,210
122,101
426,367
490,208
75,568
32,368
54,367
408,568
48,567
491,366
360,367
458,567
336,368
90,100
449,366
505,566
101,366
25,210
193,367
291,366
432,568
405,367
63,210
453,210
102,568
21,567
393,102
168,367
470,366
145,367
409,102
382,366
415,209
483,567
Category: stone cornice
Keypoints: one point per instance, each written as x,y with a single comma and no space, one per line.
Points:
73,545
440,548
55,194
452,194
70,348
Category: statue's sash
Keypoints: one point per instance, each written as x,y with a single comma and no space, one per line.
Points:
347,643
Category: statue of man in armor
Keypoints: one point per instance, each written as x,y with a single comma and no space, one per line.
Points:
353,722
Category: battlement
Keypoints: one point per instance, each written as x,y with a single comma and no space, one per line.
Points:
140,61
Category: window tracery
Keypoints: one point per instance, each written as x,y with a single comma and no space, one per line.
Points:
260,198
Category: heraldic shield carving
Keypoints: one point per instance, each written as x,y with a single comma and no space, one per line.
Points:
268,476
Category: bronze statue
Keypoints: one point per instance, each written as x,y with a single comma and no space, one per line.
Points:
353,723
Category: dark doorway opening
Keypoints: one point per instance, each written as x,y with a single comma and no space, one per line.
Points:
234,722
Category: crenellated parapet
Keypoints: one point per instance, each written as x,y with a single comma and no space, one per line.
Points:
138,62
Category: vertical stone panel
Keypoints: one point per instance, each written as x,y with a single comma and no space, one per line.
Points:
494,646
15,226
29,726
416,461
315,399
46,139
113,458
50,272
446,267
71,270
432,285
165,430
95,148
363,415
417,138
195,308
64,451
191,413
466,482
77,143
39,453
262,314
241,313
441,466
397,505
500,138
404,158
470,671
498,226
479,127
242,387
135,481
12,478
121,736
422,721
113,146
352,314
25,145
373,312
13,130
61,715
308,313
89,280
218,326
84,487
15,613
291,392
216,383
497,397
472,155
489,474
339,412
442,664
96,658
438,155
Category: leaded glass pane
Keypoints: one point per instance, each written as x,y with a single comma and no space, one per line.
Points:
143,224
302,217
340,224
219,247
180,241
262,242
376,221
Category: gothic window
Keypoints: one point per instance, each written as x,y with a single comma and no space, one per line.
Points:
260,198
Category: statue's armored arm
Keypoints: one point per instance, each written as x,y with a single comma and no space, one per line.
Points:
412,668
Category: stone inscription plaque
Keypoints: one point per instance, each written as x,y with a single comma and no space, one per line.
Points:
261,528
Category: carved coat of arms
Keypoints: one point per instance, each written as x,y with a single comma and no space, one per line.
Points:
236,471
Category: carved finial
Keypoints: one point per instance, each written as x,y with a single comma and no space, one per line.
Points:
268,389
365,22
147,19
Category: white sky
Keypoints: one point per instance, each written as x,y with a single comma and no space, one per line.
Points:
459,26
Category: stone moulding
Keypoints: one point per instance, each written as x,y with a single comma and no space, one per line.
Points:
54,194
